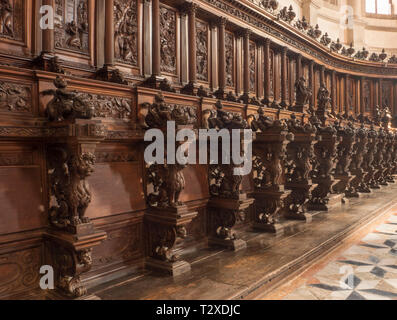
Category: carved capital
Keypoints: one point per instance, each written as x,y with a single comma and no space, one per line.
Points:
221,22
190,8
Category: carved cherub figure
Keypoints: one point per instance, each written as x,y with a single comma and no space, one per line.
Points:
263,122
66,104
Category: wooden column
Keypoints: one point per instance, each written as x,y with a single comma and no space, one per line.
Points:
266,55
376,95
214,55
394,111
239,65
380,94
156,71
246,63
298,66
361,109
147,36
184,47
48,34
259,70
322,75
192,42
220,93
109,33
333,91
284,83
191,87
155,80
347,106
311,82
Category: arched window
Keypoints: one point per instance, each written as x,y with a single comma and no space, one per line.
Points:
378,6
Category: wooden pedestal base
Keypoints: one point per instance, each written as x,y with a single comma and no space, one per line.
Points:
168,267
307,217
235,244
167,232
223,215
70,256
275,228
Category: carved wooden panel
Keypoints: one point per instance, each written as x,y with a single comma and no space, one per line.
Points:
13,158
168,40
229,53
291,83
72,25
287,80
366,96
350,94
277,74
252,66
271,71
19,177
202,50
12,19
126,31
124,194
316,84
197,188
197,229
124,243
15,97
386,88
109,106
19,270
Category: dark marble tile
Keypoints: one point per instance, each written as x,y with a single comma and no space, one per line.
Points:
379,272
326,287
354,263
381,293
355,296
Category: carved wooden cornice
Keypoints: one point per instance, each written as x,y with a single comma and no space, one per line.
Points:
281,31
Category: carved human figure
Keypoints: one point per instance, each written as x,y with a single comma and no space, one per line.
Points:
6,11
323,98
303,93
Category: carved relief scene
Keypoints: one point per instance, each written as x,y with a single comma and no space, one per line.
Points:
71,25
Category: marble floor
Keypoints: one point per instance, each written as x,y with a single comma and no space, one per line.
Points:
367,270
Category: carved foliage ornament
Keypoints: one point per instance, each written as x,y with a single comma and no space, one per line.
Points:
126,31
70,265
108,106
15,97
168,40
160,112
71,28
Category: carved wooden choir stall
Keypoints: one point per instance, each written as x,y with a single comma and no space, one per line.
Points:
77,98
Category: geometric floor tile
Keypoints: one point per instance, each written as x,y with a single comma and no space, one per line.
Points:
365,271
